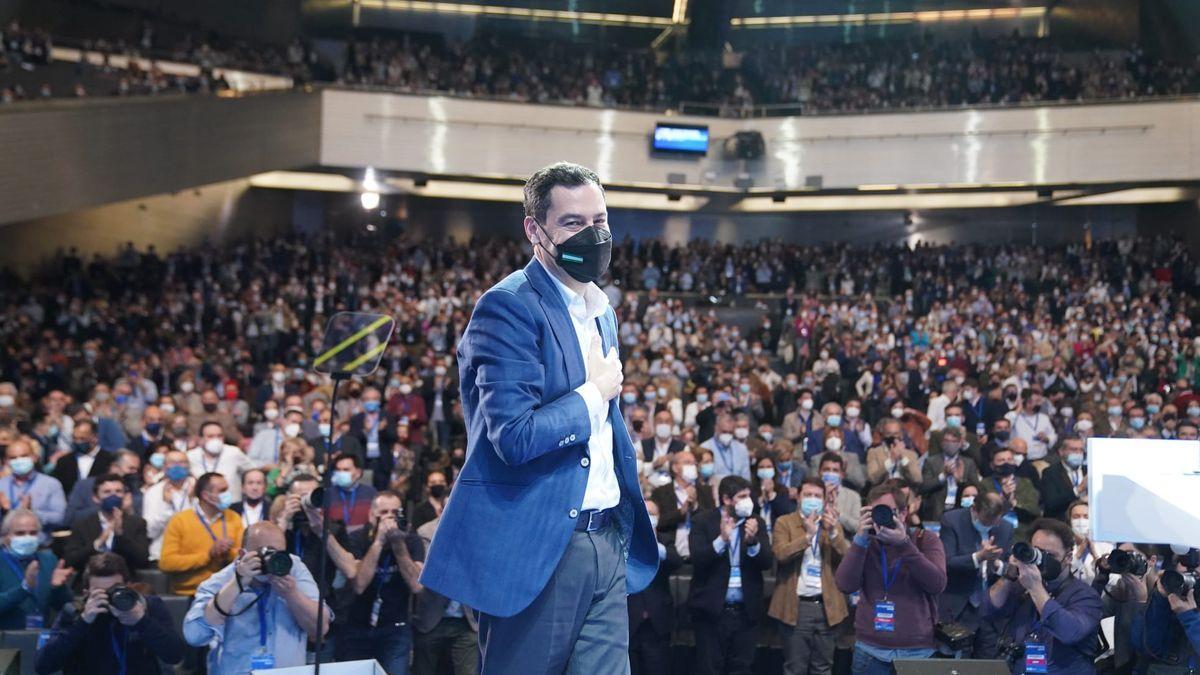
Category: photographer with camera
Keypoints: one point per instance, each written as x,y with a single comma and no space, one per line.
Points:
1050,620
390,559
119,630
260,610
1167,634
899,577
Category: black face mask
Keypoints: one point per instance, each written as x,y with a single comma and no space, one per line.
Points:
437,491
585,255
1006,470
1001,435
1050,568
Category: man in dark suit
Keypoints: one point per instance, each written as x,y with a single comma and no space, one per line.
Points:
375,432
730,551
152,431
112,528
276,387
679,501
945,475
127,465
652,612
974,539
660,448
445,630
1064,482
87,456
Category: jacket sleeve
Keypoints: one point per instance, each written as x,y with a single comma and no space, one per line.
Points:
787,544
509,376
67,637
157,631
700,544
1056,494
876,470
926,564
1191,627
1076,623
765,559
1028,506
53,511
849,574
958,559
133,545
78,548
175,557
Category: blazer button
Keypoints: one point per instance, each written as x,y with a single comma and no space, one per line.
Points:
572,437
584,462
574,513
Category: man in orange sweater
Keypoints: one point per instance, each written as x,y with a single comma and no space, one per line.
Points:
203,540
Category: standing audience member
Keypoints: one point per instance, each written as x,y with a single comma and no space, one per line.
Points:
201,541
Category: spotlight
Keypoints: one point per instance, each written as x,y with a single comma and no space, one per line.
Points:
370,200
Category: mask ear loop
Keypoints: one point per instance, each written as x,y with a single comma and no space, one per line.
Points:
554,256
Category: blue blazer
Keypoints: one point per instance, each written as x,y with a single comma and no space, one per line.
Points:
514,505
961,540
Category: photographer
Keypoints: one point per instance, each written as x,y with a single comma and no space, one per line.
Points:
899,577
1049,619
259,614
102,638
389,565
1168,633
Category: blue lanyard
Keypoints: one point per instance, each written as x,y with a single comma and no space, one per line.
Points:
373,432
12,497
735,546
263,598
726,454
200,517
888,579
298,542
120,648
276,446
216,463
348,511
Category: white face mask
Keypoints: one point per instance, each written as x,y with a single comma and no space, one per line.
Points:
744,507
271,414
833,443
291,430
806,404
897,412
742,433
1018,459
214,446
167,408
852,413
689,472
725,438
1080,526
1083,426
663,431
187,387
406,389
279,377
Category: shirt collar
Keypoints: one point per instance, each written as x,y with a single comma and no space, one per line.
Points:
593,303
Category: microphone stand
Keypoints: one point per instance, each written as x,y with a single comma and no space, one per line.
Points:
326,502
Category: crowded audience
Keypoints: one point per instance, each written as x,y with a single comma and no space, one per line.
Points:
887,463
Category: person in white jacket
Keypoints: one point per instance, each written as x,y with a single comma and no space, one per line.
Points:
1033,426
167,497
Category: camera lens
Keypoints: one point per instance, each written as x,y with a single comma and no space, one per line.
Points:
883,515
277,563
1178,583
1026,553
122,598
1127,562
314,499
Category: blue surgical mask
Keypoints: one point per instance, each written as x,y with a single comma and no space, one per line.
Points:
766,474
21,465
811,505
110,503
81,448
745,389
371,406
832,478
785,465
953,421
1137,422
225,500
120,399
177,472
834,420
1153,409
24,545
158,460
968,501
703,398
1074,460
629,397
707,469
343,479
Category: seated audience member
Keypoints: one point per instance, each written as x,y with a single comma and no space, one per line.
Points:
86,459
898,577
164,499
125,464
390,556
652,612
891,459
1065,482
33,583
974,538
351,501
1052,618
253,507
772,501
26,488
203,540
730,552
679,501
437,490
808,546
250,617
216,456
101,639
112,528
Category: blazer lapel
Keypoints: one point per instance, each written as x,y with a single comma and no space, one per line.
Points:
560,321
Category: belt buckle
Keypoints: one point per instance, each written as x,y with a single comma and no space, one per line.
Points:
592,518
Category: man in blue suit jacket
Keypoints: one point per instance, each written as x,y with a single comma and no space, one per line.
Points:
546,533
974,538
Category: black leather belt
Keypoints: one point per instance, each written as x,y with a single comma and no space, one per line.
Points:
809,598
735,606
590,521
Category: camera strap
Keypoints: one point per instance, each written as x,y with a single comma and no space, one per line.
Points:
262,599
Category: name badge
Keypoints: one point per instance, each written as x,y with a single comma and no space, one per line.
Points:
812,576
735,577
951,493
885,617
34,622
980,429
1035,657
43,638
262,661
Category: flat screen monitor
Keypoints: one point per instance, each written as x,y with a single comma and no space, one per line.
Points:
687,139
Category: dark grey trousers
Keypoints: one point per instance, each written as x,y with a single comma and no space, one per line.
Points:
579,624
808,646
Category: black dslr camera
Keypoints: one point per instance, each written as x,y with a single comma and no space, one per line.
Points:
1128,562
1178,583
122,598
275,562
883,516
401,530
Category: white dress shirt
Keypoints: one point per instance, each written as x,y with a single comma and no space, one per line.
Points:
602,489
84,462
252,514
231,464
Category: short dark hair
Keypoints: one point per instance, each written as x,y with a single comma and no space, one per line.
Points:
731,485
1057,528
209,423
814,481
203,481
545,179
106,478
832,457
988,505
352,456
105,565
893,487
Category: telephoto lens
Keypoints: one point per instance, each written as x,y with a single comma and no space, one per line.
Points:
314,499
1178,583
122,598
883,516
1128,562
277,563
1027,554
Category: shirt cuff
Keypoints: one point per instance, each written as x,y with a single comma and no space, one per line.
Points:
595,404
753,550
862,540
719,545
662,552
